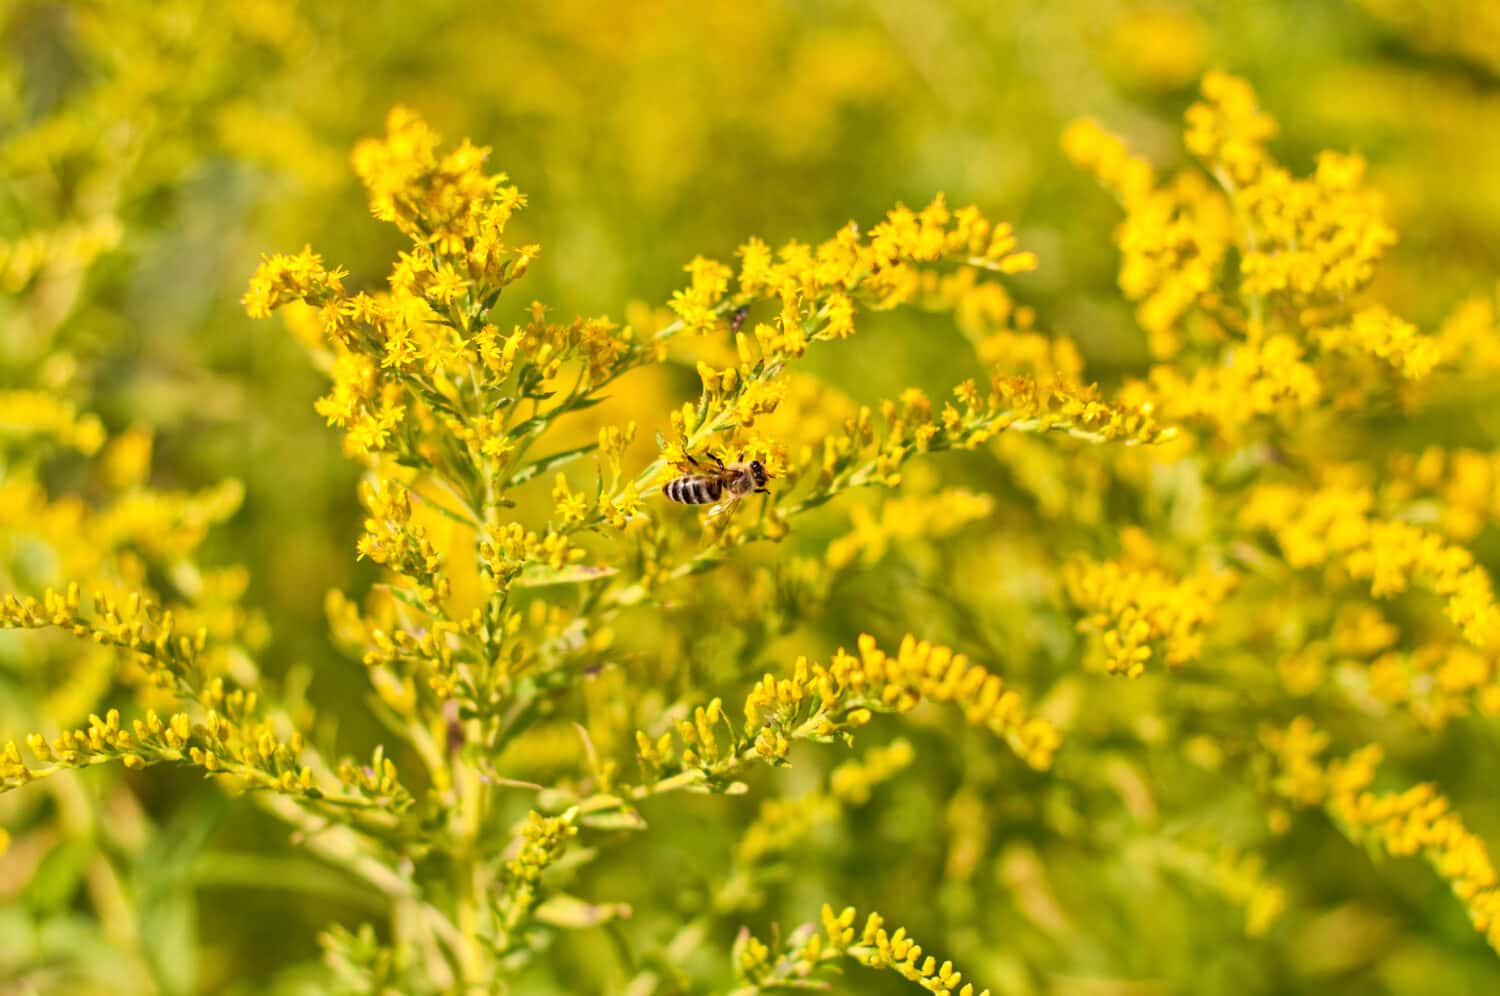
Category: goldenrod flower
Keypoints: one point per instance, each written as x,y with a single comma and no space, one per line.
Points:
1143,611
1337,525
1418,820
805,952
34,413
1276,446
822,701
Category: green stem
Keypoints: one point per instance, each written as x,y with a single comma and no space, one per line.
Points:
468,889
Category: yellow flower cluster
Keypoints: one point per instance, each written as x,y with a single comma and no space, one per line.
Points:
397,656
893,950
232,738
445,200
232,743
1438,681
1031,406
849,687
853,781
71,245
1238,877
1418,820
1461,485
1435,680
172,658
1173,238
1048,357
1380,334
26,414
284,278
165,524
1228,129
1144,612
816,291
488,627
392,540
1469,338
420,368
805,951
507,551
1107,157
445,405
870,451
1338,527
1305,248
543,841
900,519
1262,377
817,287
1313,238
861,454
826,701
1172,247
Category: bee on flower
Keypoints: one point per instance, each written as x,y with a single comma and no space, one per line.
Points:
726,484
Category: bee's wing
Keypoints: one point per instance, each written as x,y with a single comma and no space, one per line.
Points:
730,500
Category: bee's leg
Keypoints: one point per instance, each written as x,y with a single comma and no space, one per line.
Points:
690,458
715,458
762,491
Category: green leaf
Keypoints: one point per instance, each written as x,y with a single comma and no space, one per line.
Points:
546,463
540,575
614,819
702,564
588,402
573,858
403,595
252,870
437,506
59,875
572,913
166,903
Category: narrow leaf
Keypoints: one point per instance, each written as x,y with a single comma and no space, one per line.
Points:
540,575
614,819
572,913
546,463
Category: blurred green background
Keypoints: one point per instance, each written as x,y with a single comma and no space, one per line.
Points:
643,133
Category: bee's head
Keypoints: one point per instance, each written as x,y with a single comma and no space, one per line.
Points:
758,471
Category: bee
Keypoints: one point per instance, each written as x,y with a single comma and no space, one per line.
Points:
738,318
724,484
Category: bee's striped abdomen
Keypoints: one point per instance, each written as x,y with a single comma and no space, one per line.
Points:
693,490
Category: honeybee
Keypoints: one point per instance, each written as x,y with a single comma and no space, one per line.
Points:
724,483
738,318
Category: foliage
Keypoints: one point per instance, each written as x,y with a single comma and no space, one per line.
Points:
516,722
